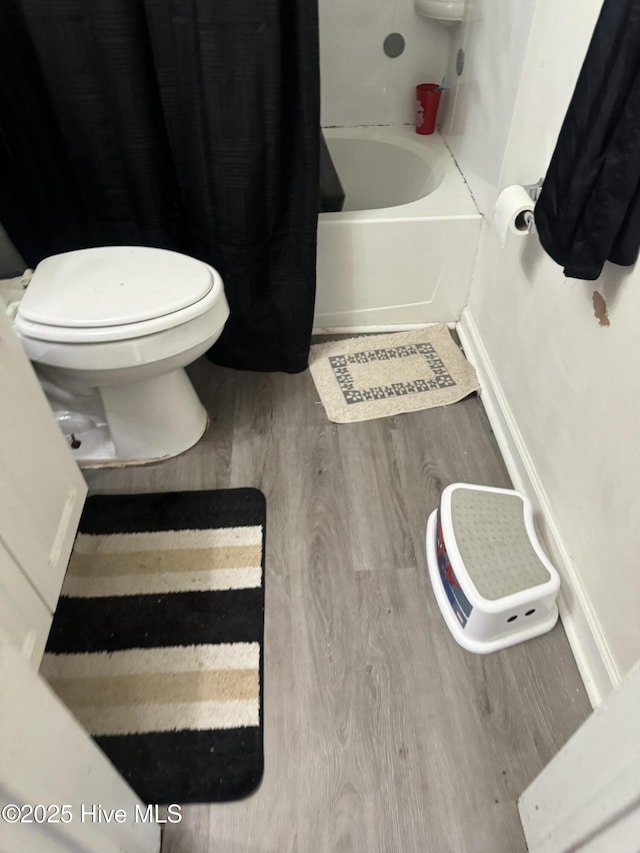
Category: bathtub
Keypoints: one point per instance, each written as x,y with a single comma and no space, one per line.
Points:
401,252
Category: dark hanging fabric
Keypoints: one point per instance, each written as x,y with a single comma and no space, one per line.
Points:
189,125
589,208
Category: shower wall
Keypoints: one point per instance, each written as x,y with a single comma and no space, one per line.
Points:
361,85
476,111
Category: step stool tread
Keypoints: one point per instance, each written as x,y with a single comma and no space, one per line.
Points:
494,544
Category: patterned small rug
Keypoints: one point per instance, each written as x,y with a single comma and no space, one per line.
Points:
359,379
156,644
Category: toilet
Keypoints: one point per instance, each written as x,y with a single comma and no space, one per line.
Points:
449,13
109,332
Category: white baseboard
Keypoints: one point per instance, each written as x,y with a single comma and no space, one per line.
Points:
590,649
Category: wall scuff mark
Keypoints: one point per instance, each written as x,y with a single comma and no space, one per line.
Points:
600,309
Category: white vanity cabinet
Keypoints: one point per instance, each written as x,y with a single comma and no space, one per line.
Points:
41,496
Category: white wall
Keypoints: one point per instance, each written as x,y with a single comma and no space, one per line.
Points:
478,107
360,84
568,389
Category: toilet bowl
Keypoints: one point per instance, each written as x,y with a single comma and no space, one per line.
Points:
109,331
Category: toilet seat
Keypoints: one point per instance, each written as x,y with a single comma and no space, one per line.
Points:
115,293
127,331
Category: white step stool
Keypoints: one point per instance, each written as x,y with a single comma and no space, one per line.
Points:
491,579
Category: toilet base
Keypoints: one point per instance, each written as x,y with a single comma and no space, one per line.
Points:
88,437
143,422
154,419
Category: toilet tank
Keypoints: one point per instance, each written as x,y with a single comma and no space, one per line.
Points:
444,11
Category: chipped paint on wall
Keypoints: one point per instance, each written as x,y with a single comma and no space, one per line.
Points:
600,309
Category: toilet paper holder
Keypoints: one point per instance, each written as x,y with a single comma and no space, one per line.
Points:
528,221
533,191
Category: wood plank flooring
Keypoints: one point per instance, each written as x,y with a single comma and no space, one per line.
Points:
381,733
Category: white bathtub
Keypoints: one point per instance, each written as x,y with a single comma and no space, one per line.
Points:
401,252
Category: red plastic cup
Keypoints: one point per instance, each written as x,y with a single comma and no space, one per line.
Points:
427,102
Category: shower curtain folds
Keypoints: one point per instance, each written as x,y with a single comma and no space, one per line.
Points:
189,125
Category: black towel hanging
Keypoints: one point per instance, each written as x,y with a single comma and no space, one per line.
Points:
589,208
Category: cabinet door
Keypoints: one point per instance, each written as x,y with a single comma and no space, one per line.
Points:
588,797
41,488
47,758
23,614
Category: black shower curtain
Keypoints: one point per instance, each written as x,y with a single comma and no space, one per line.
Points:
589,208
190,125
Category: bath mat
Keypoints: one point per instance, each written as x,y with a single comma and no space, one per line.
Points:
359,379
156,644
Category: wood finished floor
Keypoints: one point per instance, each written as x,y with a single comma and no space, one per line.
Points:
381,733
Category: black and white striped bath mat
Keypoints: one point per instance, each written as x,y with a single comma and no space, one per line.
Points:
156,644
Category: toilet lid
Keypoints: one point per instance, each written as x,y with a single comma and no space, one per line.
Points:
113,286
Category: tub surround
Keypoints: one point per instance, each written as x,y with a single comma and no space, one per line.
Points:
361,85
404,264
476,110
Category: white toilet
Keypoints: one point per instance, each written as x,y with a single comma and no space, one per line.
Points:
446,12
110,331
